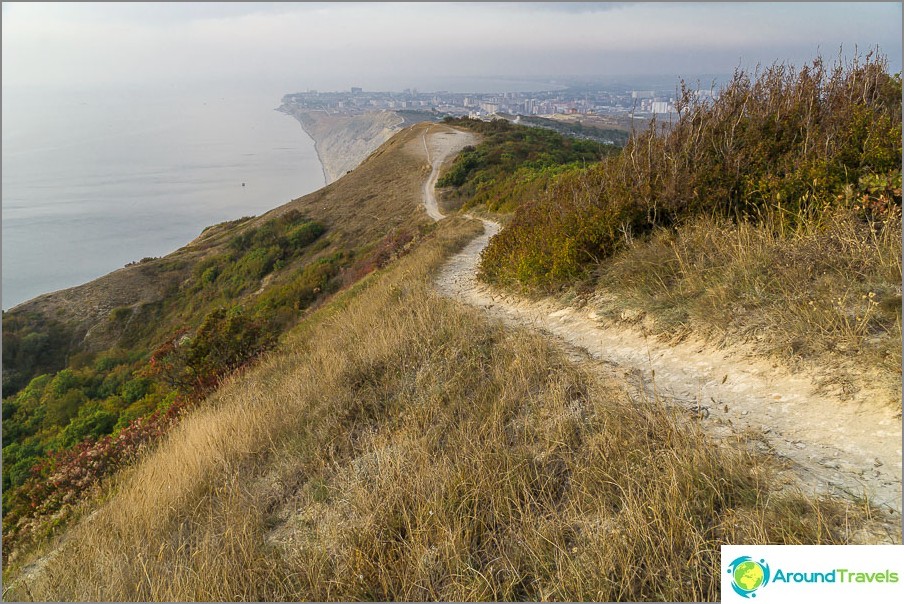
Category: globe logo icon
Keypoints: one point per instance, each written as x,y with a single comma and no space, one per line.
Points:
748,575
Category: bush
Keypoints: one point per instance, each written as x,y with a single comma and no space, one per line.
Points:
91,422
226,340
783,146
494,173
304,234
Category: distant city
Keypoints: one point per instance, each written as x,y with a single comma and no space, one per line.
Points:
570,101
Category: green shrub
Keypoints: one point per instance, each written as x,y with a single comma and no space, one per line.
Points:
92,421
135,389
304,234
227,339
513,163
781,147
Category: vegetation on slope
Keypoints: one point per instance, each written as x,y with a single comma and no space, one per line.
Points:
785,146
55,424
401,447
771,214
228,297
577,129
512,164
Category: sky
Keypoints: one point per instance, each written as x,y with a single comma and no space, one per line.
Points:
299,46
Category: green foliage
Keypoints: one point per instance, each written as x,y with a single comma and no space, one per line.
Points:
227,339
135,389
282,302
304,234
210,274
93,398
618,138
783,146
253,255
18,458
92,421
31,346
513,163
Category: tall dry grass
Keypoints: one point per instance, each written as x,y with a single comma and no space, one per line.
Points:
827,294
401,447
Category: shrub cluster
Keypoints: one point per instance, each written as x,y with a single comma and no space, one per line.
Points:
783,144
513,163
57,481
80,417
31,346
253,254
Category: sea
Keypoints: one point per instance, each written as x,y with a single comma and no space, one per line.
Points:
93,179
96,177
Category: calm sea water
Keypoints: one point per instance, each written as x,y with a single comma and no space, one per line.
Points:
95,179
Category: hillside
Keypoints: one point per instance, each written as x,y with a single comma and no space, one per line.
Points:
771,217
385,441
88,363
400,446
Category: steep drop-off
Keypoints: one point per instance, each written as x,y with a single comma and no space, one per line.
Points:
344,141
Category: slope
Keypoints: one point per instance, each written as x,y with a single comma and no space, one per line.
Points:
400,446
145,342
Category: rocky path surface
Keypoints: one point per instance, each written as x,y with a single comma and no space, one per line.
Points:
851,448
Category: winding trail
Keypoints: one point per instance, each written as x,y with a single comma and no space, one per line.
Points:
850,448
443,142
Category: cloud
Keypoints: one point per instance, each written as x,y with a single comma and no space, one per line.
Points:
326,42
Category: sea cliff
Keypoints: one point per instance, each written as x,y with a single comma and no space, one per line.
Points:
344,141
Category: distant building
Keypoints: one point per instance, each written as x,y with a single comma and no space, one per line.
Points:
356,90
661,107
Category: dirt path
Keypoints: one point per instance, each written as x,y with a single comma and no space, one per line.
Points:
851,448
439,143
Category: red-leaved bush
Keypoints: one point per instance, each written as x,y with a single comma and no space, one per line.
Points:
65,476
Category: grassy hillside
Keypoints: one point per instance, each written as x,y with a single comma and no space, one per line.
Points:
576,127
771,215
95,373
399,446
312,421
512,165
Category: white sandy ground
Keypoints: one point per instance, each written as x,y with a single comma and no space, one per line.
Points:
439,143
829,445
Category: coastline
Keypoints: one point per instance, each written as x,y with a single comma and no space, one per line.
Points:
318,149
342,142
161,168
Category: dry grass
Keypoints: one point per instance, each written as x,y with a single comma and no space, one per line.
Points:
403,448
828,296
382,195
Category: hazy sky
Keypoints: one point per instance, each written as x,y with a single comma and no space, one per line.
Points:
336,45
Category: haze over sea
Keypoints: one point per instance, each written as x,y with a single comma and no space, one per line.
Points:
96,178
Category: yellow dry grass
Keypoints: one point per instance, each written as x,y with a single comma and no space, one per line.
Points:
402,447
827,296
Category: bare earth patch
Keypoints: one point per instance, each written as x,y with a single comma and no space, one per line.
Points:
849,447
